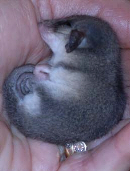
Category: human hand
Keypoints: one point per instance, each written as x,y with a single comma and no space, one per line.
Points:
20,44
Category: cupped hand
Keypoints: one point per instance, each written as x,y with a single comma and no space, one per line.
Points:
21,43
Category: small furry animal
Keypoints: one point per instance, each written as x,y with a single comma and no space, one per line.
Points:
78,94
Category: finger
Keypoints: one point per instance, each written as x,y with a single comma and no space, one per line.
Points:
18,153
113,154
115,12
20,41
44,156
111,133
13,153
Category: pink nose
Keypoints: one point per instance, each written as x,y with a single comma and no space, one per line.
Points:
41,72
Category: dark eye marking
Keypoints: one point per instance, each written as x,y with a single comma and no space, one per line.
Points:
75,39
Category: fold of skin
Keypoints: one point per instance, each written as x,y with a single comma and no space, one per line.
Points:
20,43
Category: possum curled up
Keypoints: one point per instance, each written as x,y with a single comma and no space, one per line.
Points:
78,94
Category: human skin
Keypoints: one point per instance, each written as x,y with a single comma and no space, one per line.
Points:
21,43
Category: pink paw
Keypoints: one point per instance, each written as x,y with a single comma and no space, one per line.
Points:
41,72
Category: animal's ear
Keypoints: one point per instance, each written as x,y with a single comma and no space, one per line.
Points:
56,24
68,21
20,82
75,39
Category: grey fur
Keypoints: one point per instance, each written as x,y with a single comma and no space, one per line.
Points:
93,98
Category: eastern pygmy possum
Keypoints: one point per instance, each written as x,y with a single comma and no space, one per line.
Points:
78,94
